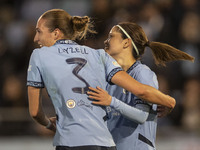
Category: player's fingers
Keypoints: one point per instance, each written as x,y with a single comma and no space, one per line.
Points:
93,94
94,97
96,103
159,115
94,89
160,108
53,119
100,89
54,129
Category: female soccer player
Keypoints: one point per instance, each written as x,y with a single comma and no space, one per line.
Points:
133,121
66,69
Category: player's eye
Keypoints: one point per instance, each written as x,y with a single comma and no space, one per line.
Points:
110,36
38,31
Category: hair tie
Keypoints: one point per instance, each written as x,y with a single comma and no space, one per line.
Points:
147,43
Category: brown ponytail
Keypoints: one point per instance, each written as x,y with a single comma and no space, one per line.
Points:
162,52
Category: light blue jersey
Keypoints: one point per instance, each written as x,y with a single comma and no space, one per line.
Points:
128,134
67,69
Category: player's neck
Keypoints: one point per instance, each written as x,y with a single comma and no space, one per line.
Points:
125,61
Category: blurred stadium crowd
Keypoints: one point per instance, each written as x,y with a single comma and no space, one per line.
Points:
176,22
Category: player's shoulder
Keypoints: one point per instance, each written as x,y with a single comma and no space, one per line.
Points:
35,52
143,69
44,50
38,53
94,50
143,73
39,50
99,52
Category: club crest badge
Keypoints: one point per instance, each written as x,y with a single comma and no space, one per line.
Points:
115,64
71,103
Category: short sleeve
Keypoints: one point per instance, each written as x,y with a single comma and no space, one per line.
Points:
34,77
111,67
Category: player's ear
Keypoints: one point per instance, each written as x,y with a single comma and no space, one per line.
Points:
127,43
57,33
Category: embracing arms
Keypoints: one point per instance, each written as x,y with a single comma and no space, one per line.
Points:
102,97
142,91
145,92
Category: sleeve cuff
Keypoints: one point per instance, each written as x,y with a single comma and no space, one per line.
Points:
112,73
35,84
114,102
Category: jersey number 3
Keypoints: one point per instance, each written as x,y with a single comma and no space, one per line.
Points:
80,64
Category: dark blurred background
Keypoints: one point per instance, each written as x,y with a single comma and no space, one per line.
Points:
176,22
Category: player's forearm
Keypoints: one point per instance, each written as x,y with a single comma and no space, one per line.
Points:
41,118
153,95
35,105
142,91
130,112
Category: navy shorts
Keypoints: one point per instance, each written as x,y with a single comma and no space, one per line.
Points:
85,148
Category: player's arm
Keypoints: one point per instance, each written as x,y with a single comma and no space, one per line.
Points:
142,91
36,109
134,114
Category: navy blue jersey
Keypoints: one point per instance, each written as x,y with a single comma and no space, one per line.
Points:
67,69
128,134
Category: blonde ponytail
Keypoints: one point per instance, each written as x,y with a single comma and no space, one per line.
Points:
73,27
81,26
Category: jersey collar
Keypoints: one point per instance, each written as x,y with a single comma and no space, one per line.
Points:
64,41
133,66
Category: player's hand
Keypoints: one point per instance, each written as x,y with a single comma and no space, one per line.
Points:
53,124
163,111
100,96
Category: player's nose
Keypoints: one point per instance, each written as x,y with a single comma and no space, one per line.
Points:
35,38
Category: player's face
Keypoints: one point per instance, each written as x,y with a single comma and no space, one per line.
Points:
114,43
43,36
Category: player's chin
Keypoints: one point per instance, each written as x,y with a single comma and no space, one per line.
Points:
106,49
40,45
